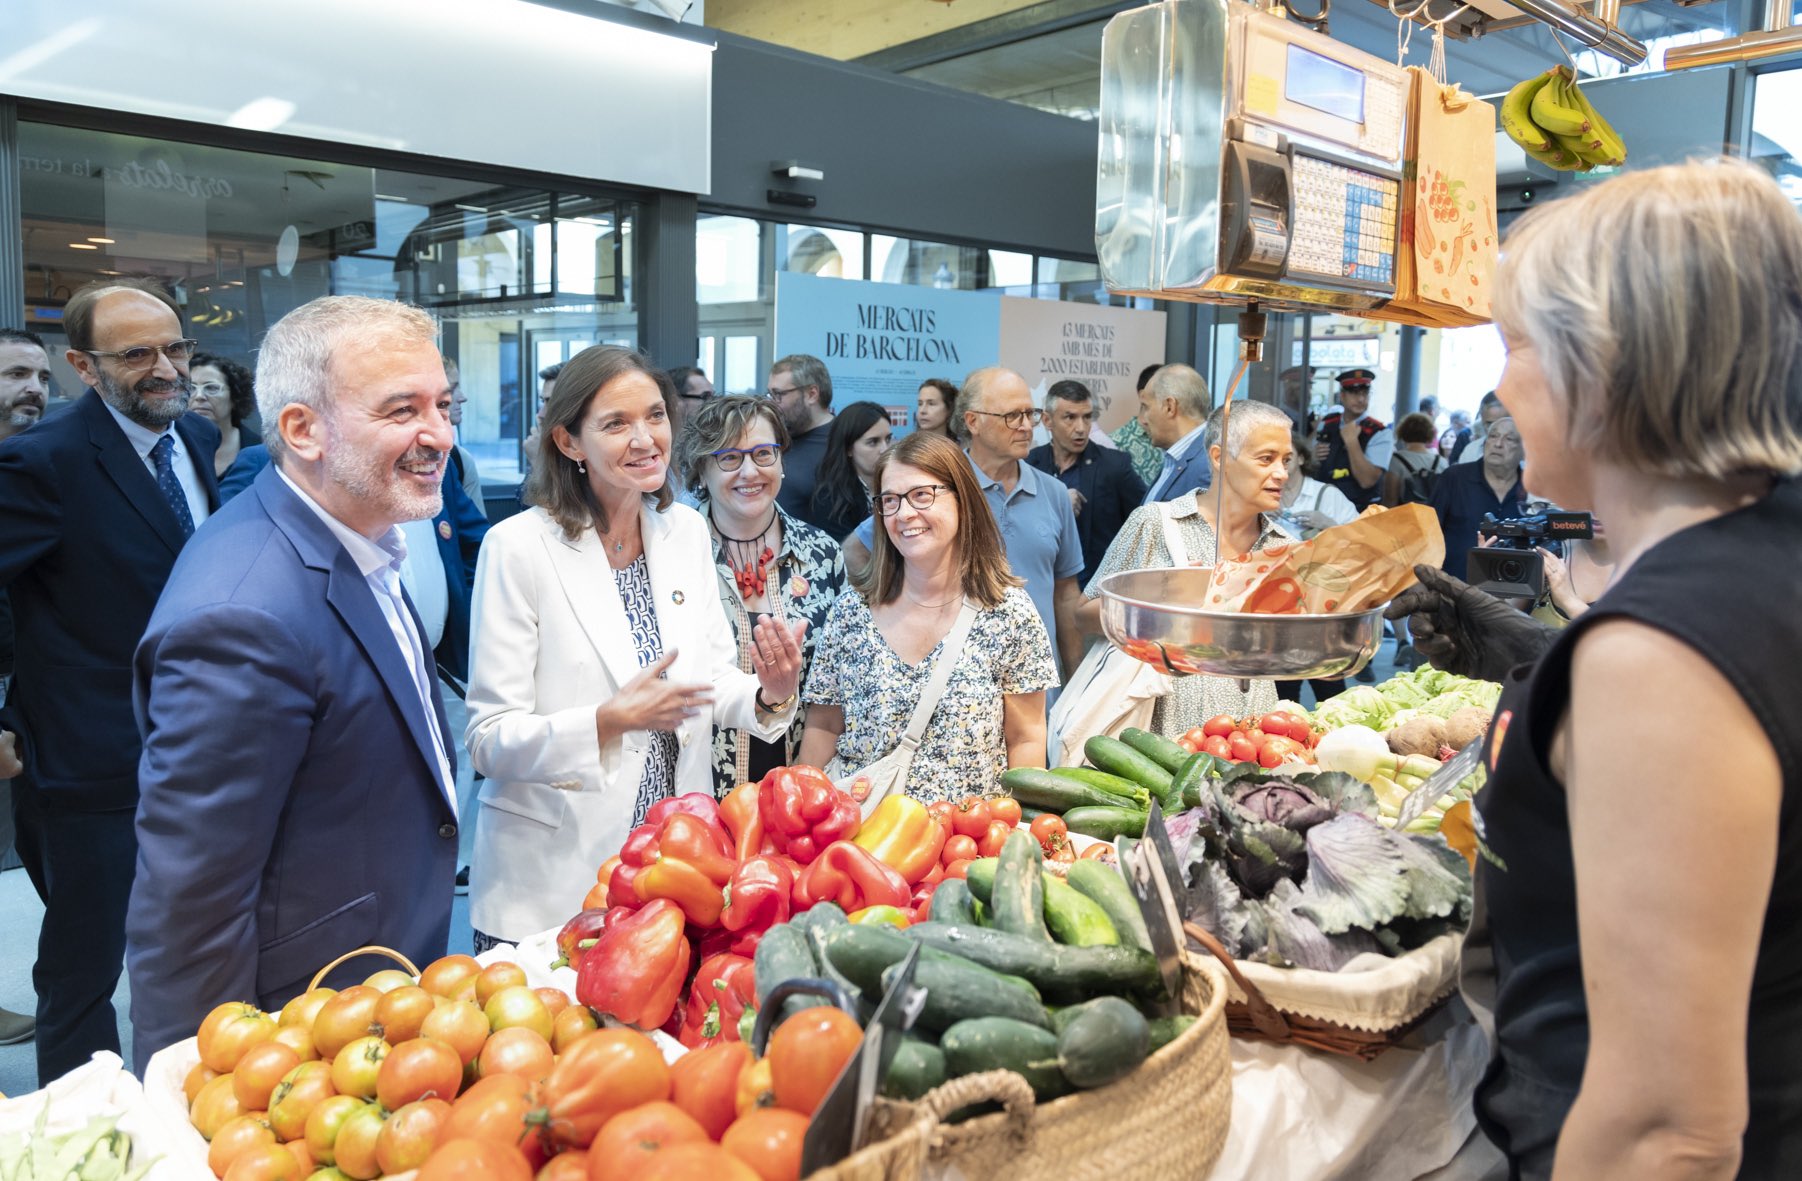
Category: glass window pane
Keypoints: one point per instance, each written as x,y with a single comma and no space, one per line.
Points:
728,267
829,253
1777,122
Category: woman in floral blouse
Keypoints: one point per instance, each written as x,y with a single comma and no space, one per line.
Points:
938,546
730,457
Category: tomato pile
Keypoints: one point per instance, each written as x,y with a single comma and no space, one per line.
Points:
975,827
1269,741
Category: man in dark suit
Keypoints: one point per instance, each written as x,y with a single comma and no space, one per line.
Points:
98,501
1103,487
334,824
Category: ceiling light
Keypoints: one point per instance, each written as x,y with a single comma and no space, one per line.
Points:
83,246
1775,39
386,197
102,241
472,208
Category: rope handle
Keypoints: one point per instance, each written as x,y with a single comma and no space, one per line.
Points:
1009,1089
371,949
1264,1015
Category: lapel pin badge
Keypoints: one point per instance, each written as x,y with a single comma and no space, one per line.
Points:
444,530
676,597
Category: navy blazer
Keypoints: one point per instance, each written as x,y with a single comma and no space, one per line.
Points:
1193,471
291,808
86,543
1110,490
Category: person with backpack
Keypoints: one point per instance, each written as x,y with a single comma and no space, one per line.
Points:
1416,465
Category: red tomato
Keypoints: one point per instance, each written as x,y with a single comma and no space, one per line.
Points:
1257,737
423,1068
1049,829
806,1053
959,869
940,811
1219,725
1240,749
971,819
1196,736
461,1159
959,848
1098,852
1216,746
994,838
602,1075
1275,723
1062,853
409,1135
516,1051
230,1031
1006,809
1276,751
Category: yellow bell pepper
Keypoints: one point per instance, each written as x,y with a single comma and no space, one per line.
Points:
902,835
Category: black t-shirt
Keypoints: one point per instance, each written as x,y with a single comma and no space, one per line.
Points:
1745,625
801,470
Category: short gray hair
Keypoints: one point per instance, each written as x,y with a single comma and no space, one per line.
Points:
1238,419
1677,350
807,370
1067,391
294,364
1185,385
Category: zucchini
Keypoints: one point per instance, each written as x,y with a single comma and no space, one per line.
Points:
1191,778
1104,824
1126,789
1001,1043
1103,885
979,875
785,953
1165,1030
1110,754
917,1068
860,953
1075,920
1053,793
1061,974
1155,747
1019,893
958,990
952,902
1105,1041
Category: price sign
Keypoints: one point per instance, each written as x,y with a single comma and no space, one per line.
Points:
1150,868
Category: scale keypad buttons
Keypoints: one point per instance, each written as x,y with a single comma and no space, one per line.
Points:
1345,222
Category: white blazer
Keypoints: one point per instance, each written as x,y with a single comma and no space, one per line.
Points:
549,643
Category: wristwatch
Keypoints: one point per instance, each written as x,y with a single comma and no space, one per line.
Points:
778,708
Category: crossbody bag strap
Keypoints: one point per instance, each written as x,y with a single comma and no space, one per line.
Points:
1173,534
949,655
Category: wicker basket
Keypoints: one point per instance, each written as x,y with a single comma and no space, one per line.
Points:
1166,1120
902,1138
1263,1017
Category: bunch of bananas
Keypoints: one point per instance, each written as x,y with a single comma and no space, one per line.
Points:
1549,116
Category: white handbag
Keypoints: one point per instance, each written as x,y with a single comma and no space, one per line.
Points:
888,774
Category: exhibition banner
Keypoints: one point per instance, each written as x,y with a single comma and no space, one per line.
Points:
1047,341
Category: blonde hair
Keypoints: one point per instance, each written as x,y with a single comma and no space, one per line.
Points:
980,553
1665,307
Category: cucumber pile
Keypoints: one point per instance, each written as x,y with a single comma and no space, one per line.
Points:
1110,797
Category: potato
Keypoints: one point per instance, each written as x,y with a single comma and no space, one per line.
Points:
1419,735
1468,724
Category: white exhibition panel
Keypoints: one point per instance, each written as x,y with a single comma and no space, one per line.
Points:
501,82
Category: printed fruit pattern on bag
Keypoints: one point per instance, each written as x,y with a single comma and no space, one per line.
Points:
1462,244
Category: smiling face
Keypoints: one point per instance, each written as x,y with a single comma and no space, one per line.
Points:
751,490
1255,477
212,396
921,535
153,396
623,437
932,412
24,384
868,448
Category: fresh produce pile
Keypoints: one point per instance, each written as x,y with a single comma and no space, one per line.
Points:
96,1151
1296,870
1278,737
1110,796
1425,692
1552,120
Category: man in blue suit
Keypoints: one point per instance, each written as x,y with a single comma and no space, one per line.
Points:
95,504
297,787
1173,408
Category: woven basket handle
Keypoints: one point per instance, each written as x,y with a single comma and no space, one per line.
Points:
1013,1092
1269,1022
372,949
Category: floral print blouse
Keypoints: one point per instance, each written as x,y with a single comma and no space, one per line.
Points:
964,751
807,578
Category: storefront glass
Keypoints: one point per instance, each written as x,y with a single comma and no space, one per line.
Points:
1777,128
521,277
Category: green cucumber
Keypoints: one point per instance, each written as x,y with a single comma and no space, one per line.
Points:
1191,779
979,875
918,1067
958,990
1110,754
1061,974
1165,1030
861,952
952,902
1104,886
1155,747
1104,1042
1019,893
820,916
1053,793
1001,1043
785,953
1126,789
1104,824
1074,920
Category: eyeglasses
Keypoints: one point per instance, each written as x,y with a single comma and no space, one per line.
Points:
210,389
143,356
694,397
778,395
889,503
1014,419
733,458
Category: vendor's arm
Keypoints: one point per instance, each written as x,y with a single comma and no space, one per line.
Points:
1365,468
1023,728
1673,876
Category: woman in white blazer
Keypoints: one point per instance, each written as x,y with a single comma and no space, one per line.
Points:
601,656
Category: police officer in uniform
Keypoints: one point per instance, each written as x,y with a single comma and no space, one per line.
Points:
1353,450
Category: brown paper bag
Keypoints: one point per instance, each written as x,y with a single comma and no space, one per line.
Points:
1345,569
1445,268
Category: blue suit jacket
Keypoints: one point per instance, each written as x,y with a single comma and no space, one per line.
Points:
1110,489
1193,472
459,527
290,806
86,543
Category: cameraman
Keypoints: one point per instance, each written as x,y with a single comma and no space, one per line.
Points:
1644,963
1465,492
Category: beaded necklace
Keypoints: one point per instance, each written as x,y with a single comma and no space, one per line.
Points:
749,557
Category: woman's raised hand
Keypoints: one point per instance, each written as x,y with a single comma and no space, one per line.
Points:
776,657
650,701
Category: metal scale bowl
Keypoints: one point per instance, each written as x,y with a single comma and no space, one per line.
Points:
1157,616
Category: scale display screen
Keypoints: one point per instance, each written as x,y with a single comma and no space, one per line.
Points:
1317,81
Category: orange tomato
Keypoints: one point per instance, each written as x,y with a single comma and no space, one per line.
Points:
298,1038
807,1053
420,1069
259,1072
303,1157
502,1109
449,975
475,1160
358,1065
518,1006
266,1162
304,1008
1005,809
323,1123
696,1162
571,1024
410,1134
215,1106
402,1011
631,1138
516,1051
597,1078
555,1001
389,979
770,1142
230,1031
344,1018
304,1088
353,1151
459,1025
240,1134
497,976
754,1088
565,1166
704,1083
199,1076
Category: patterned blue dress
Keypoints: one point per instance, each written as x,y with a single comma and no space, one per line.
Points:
634,582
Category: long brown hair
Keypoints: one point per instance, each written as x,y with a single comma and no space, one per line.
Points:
980,555
557,485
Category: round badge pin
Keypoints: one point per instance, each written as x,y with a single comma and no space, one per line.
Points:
444,530
676,597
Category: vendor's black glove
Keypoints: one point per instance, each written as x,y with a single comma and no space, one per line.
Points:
1461,630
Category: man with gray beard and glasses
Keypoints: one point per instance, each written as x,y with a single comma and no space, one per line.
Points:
95,505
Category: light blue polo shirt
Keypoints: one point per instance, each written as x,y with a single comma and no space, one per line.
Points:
1038,531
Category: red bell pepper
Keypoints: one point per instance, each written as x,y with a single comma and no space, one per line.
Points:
758,896
682,883
577,936
622,887
803,812
640,846
695,803
922,901
851,877
701,843
744,822
635,972
723,987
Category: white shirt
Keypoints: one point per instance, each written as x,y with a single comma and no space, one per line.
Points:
379,562
423,576
1182,444
142,439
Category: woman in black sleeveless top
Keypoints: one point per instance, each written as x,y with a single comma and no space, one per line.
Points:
1646,792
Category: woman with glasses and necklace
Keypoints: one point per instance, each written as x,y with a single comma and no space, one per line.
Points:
224,392
841,496
938,548
767,562
602,657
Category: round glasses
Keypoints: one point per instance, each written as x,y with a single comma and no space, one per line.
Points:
143,356
733,458
921,497
211,389
1014,419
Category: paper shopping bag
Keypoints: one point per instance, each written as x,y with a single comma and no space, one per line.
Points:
1445,270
